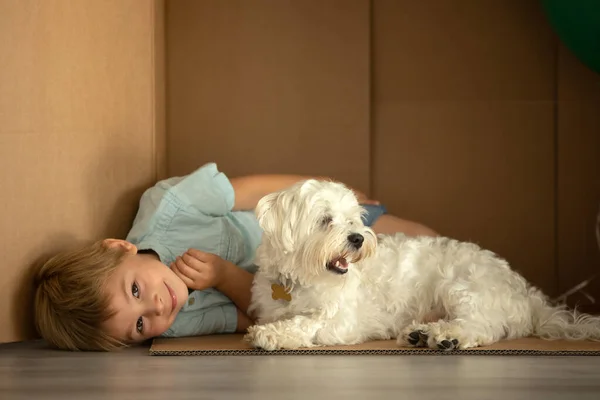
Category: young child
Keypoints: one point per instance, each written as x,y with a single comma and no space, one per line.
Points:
116,292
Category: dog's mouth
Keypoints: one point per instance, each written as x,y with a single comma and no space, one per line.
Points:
338,265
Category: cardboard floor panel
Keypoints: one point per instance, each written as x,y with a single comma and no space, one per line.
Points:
232,344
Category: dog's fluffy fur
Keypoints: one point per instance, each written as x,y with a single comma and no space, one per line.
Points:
348,285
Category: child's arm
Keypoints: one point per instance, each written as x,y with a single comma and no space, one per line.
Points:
243,322
250,189
200,270
235,283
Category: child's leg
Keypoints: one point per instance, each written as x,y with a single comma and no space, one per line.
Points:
390,224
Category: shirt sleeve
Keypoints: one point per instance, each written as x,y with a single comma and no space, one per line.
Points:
190,200
207,190
206,312
204,321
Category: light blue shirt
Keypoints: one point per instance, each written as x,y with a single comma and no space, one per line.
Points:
195,211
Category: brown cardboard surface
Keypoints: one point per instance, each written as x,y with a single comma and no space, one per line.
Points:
232,344
516,152
482,50
77,135
159,100
578,180
489,136
464,124
270,87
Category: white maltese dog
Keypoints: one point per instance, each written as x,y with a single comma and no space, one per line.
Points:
325,279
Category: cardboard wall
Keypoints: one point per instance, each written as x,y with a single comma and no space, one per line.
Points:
578,177
464,123
472,119
269,87
79,130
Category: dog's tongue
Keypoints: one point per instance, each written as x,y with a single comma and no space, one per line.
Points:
341,263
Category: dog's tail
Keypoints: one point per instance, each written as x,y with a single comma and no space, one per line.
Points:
558,322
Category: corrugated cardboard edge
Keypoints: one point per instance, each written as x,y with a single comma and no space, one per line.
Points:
233,345
403,352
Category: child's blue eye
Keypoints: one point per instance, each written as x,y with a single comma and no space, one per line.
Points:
140,325
135,291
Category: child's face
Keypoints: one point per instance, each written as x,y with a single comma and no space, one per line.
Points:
146,295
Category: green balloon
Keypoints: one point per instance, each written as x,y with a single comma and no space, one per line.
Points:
577,24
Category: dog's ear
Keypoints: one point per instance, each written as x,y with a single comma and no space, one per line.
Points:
263,211
308,184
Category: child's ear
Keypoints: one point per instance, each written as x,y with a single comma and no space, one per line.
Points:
119,243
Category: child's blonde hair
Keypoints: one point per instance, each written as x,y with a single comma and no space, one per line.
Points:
70,300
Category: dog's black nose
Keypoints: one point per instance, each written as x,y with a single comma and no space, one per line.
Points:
356,239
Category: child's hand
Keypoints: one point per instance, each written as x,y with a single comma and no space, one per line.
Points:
199,270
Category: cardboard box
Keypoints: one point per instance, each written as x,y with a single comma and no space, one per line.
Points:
472,119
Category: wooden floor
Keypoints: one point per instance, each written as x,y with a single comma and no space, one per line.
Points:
29,371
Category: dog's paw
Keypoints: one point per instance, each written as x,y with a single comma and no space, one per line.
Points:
261,337
275,336
447,344
434,335
416,338
415,335
250,334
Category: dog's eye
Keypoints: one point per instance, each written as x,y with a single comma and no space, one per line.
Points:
326,220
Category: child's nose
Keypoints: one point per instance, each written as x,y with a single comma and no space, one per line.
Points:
159,305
